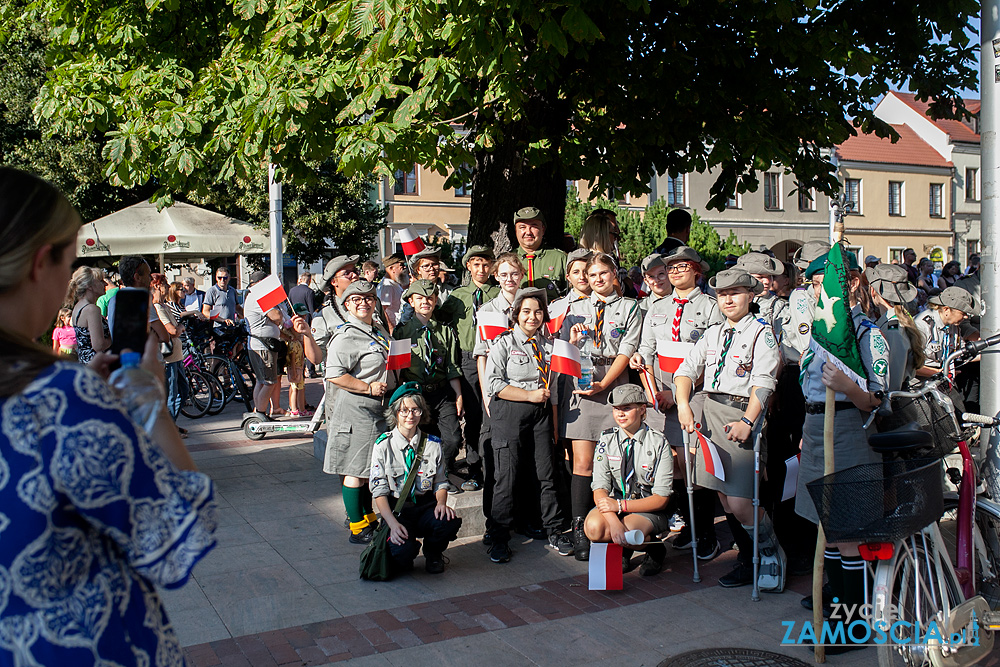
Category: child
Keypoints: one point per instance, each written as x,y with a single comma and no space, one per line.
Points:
64,335
295,369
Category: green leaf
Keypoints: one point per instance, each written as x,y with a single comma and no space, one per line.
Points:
551,36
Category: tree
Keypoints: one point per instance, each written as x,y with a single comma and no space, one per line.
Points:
529,92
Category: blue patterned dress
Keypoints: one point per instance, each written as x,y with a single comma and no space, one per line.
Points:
92,518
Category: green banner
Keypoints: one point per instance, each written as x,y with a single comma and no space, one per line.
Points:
833,327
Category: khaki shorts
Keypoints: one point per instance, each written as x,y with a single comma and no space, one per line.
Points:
265,365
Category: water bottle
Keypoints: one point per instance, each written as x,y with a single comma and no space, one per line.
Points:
586,371
142,393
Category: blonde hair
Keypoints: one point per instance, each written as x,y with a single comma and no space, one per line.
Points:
83,279
509,258
913,333
175,291
596,232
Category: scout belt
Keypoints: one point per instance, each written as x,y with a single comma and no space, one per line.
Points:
602,361
738,402
820,408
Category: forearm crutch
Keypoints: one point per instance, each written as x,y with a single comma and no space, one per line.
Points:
689,474
755,594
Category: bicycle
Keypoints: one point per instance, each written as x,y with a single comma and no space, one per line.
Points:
205,393
921,601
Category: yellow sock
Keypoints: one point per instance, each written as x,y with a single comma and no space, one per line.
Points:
357,527
371,518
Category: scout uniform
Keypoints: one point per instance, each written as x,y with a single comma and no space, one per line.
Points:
521,431
942,339
890,282
802,303
359,350
544,268
433,364
614,326
331,317
499,304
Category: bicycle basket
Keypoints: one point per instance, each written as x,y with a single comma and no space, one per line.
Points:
930,416
879,502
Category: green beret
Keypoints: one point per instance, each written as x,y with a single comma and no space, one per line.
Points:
405,389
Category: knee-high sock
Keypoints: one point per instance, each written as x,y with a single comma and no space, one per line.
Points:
366,498
853,569
677,503
581,497
744,539
704,510
834,572
352,503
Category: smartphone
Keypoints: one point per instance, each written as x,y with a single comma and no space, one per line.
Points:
131,321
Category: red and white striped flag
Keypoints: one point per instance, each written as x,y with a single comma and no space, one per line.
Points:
605,567
399,355
412,243
214,312
268,293
670,354
565,358
710,451
557,313
491,324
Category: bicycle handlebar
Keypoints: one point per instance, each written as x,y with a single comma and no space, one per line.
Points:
973,418
966,352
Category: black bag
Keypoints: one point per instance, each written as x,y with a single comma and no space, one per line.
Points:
375,558
273,344
167,348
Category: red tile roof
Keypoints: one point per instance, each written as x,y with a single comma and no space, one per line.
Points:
910,149
956,129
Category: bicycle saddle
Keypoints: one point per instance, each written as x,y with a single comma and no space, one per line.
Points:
903,439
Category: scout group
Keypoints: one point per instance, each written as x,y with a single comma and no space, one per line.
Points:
665,357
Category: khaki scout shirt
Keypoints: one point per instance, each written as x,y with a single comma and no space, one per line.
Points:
548,268
700,312
443,352
458,311
654,464
801,310
940,339
388,470
622,325
360,350
324,326
499,304
512,362
752,360
874,355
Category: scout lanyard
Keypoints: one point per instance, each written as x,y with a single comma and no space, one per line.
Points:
411,475
543,366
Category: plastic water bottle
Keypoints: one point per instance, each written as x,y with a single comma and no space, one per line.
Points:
586,371
142,393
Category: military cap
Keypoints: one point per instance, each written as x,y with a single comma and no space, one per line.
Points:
890,282
478,251
653,261
358,287
735,278
759,264
810,251
430,252
530,293
392,260
957,298
300,308
627,394
529,213
423,287
579,255
336,264
685,253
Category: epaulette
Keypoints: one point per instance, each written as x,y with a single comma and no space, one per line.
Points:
505,333
433,438
382,437
762,321
608,431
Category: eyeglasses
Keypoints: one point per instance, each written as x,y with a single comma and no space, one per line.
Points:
416,412
358,300
680,267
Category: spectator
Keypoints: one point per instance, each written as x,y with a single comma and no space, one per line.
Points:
111,284
134,272
222,295
171,348
265,334
92,333
193,298
909,257
973,267
63,335
871,261
304,294
678,231
295,366
369,271
926,280
949,274
390,290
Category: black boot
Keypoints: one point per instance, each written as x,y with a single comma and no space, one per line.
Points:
581,545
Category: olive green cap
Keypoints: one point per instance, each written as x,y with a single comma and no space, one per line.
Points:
422,287
627,394
529,213
478,251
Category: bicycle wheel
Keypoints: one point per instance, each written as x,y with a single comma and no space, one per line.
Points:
237,382
986,541
199,395
915,589
218,401
219,368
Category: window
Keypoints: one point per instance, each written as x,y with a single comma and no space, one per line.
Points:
772,191
807,198
406,182
971,184
675,190
852,194
733,202
895,255
465,189
934,201
971,248
895,198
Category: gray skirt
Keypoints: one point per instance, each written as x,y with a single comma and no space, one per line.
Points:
667,424
850,448
737,459
356,421
586,417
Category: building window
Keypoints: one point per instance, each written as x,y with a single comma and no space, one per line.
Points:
465,188
895,198
971,184
971,248
852,195
807,198
406,182
896,255
772,191
934,201
675,190
733,202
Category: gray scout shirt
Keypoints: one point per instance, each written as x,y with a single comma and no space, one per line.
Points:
622,325
751,360
388,471
699,313
360,350
901,368
798,328
874,355
512,362
653,463
940,339
499,304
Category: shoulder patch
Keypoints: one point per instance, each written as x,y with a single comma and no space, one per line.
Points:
769,339
880,367
761,320
433,438
382,437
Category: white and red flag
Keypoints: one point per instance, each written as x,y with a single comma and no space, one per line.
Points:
557,313
791,478
605,567
268,293
491,324
670,354
713,462
399,355
412,243
214,312
565,358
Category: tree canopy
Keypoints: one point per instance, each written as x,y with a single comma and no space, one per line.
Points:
530,92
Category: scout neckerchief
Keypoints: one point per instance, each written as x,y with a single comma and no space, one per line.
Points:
727,340
530,257
627,469
410,458
599,323
543,365
429,361
675,329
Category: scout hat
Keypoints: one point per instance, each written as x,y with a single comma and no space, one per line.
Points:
735,278
818,265
392,260
429,251
362,287
890,282
257,276
627,394
957,298
529,213
446,268
422,287
652,262
530,293
810,251
336,264
578,255
685,253
405,389
478,251
300,309
760,264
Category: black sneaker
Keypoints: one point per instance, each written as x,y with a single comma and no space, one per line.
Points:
487,540
708,548
627,560
365,536
742,575
533,533
435,564
683,541
653,562
561,544
500,553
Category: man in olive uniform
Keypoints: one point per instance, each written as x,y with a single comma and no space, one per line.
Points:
434,364
543,267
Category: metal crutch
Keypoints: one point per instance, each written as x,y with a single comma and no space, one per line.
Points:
755,594
689,473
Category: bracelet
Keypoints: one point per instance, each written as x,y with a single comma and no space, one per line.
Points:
625,503
746,421
619,506
369,388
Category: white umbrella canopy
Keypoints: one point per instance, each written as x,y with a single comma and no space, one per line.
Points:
180,230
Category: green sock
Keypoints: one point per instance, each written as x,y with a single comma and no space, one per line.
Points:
352,503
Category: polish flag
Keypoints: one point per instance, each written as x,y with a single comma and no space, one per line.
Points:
412,244
565,358
713,463
215,312
491,324
605,567
268,293
399,355
557,313
670,354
